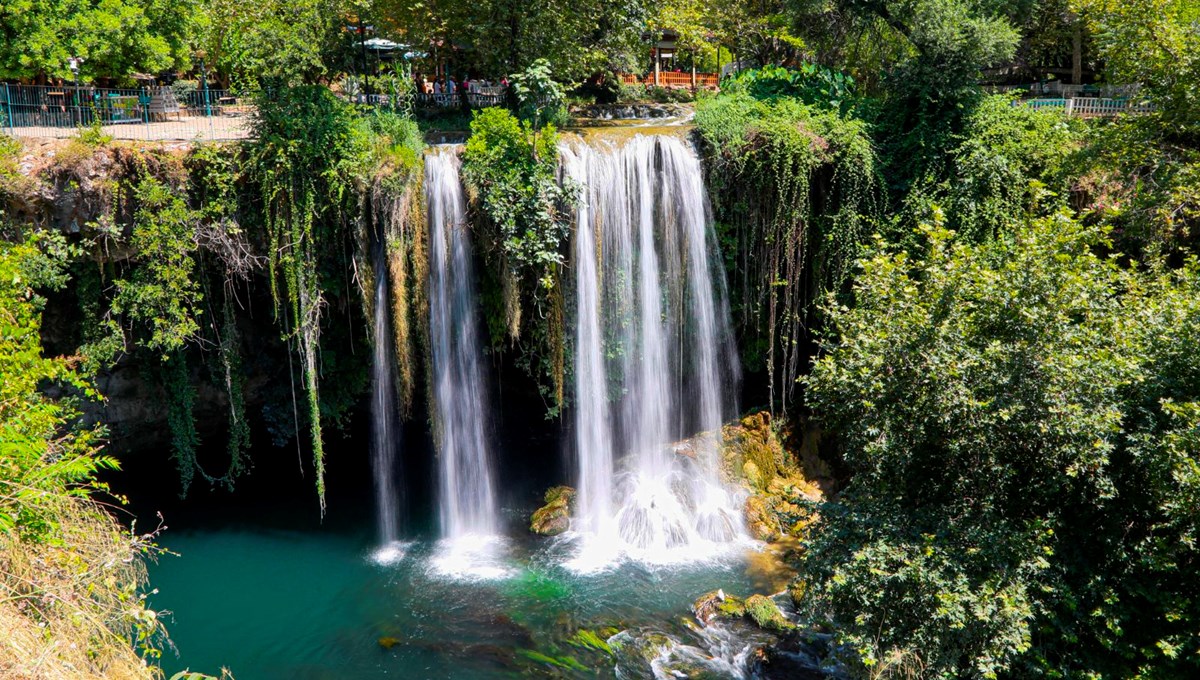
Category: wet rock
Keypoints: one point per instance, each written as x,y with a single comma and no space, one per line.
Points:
760,520
766,614
797,656
387,642
771,569
781,497
773,664
554,517
716,604
641,111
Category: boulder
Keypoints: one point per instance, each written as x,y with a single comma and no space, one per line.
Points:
766,614
716,604
554,517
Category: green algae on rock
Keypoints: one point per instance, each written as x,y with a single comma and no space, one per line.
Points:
554,517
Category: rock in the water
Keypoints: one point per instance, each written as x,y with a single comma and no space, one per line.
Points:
388,642
795,657
717,604
554,517
766,615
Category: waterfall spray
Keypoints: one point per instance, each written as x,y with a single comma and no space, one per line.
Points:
652,337
467,507
384,439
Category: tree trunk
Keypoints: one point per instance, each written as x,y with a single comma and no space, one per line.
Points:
1077,53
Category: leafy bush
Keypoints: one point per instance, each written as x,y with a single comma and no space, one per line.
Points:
540,99
511,171
185,90
1135,176
72,577
1009,162
813,84
1021,420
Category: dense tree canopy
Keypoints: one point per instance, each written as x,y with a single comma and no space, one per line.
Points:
116,38
1021,421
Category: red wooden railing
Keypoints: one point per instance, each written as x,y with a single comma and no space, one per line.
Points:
672,79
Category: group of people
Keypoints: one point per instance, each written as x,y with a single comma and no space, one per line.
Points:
447,85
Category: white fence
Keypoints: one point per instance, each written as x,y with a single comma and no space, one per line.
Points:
1089,107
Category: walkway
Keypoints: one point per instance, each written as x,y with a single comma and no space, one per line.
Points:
199,128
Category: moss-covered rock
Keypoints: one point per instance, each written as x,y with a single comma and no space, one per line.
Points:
715,605
780,495
554,517
760,519
766,615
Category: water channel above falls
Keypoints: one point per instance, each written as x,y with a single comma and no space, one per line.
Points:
462,590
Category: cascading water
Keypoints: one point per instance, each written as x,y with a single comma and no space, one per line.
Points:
467,502
384,440
652,329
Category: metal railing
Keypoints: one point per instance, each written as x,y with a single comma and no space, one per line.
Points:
474,100
147,113
1089,107
1068,90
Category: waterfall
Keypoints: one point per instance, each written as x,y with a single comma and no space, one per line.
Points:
467,502
652,360
384,439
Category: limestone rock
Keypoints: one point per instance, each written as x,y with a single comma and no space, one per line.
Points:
766,615
716,604
554,517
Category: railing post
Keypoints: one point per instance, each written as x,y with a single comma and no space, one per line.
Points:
8,114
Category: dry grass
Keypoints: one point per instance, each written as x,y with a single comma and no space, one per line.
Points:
74,607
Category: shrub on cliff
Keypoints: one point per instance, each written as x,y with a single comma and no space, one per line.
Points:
1023,423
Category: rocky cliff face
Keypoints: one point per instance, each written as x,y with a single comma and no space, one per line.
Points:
86,191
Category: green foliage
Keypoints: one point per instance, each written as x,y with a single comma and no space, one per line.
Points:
180,397
306,158
540,100
511,171
1154,43
813,84
1020,420
280,43
1135,176
513,168
1008,163
116,37
950,42
396,144
580,37
162,292
795,189
40,458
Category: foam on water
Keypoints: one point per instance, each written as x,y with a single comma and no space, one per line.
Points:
471,557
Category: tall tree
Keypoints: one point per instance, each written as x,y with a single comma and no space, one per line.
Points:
116,38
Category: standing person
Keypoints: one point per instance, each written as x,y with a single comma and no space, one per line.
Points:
451,88
437,86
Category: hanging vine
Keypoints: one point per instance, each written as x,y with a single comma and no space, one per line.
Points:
305,161
394,214
795,190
